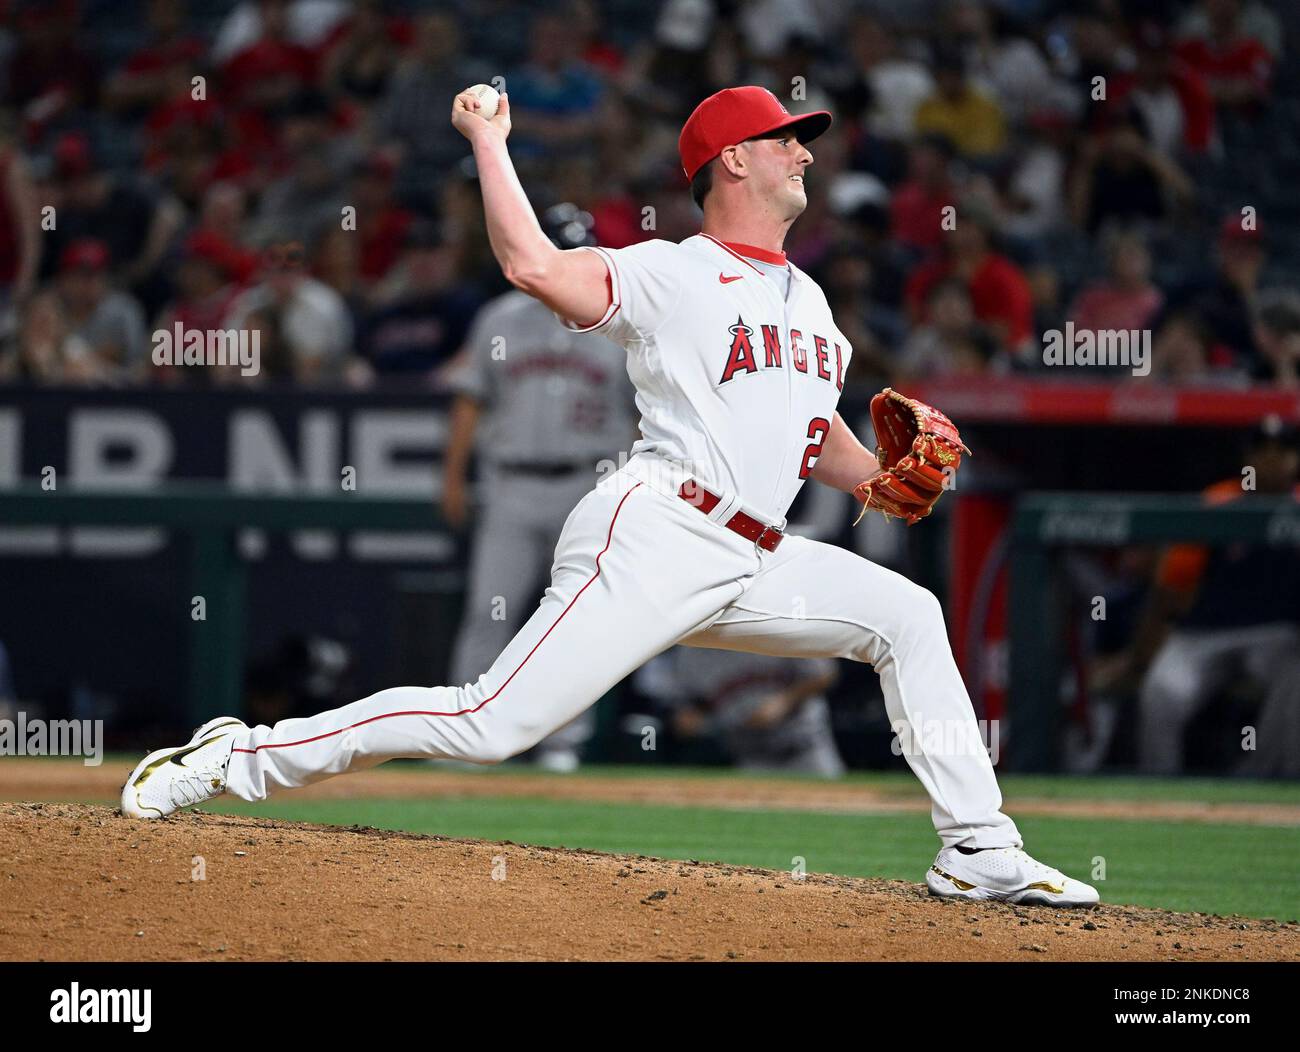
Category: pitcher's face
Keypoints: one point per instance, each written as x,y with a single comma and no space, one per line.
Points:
778,166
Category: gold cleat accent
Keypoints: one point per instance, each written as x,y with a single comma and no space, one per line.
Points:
961,884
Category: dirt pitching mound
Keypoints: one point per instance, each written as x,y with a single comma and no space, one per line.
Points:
83,883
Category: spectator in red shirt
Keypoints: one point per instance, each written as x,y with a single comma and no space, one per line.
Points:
595,47
222,214
951,342
183,139
916,209
618,218
998,289
208,282
1239,69
1256,21
1171,94
382,223
162,68
1126,298
261,83
272,71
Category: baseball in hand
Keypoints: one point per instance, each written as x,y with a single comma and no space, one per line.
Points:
488,97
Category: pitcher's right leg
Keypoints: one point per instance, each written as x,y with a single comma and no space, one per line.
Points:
633,573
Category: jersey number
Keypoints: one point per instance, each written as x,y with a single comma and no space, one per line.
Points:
818,429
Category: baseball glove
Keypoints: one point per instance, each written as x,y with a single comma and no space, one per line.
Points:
916,447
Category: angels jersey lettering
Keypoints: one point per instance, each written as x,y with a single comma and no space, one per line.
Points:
734,380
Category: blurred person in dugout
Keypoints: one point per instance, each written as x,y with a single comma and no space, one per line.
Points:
770,714
543,407
1220,617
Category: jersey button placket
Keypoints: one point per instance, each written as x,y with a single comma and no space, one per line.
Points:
784,303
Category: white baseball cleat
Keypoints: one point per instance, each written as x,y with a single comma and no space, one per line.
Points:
1005,874
168,779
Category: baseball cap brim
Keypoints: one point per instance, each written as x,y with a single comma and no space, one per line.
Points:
806,126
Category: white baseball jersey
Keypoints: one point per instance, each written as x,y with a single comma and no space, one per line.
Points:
734,380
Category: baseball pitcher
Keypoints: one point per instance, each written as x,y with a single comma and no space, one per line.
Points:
738,367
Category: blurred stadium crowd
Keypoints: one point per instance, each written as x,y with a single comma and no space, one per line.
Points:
1121,165
288,167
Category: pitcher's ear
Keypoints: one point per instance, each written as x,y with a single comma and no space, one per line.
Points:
733,160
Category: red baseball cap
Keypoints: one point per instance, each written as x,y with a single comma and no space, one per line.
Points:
735,114
1234,229
73,156
84,254
212,248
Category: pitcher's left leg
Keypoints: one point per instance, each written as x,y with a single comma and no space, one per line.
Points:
816,600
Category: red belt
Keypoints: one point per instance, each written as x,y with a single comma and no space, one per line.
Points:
766,537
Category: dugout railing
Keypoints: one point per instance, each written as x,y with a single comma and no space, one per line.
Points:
1044,524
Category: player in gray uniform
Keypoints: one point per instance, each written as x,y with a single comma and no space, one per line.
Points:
543,406
770,713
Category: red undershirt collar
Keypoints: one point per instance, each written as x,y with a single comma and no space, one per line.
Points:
763,255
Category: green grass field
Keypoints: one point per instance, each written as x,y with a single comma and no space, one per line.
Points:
1180,865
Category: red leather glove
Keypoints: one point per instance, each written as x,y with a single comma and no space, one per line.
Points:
918,448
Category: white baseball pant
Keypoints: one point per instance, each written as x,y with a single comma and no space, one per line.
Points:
638,569
513,550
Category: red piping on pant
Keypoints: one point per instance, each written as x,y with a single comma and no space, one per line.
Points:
609,539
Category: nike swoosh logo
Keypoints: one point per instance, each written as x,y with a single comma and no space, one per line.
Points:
175,757
725,280
180,754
